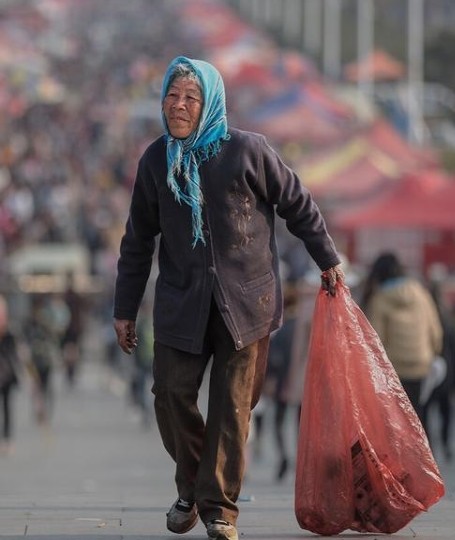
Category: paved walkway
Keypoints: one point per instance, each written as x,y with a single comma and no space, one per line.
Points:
97,472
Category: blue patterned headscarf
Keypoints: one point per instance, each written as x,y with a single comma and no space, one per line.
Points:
185,155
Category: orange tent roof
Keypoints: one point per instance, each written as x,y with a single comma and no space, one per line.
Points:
379,66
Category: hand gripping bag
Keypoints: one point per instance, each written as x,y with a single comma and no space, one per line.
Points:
363,459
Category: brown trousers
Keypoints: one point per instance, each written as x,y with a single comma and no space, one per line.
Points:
210,454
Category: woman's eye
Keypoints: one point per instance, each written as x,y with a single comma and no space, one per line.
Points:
176,97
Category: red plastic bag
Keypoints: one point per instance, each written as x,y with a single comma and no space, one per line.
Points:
363,459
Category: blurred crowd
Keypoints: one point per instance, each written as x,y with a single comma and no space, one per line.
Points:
67,159
79,85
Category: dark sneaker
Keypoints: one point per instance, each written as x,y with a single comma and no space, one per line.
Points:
182,517
221,530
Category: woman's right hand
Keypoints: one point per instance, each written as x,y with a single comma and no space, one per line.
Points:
126,334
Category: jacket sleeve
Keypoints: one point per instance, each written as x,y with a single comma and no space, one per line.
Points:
436,329
295,204
137,245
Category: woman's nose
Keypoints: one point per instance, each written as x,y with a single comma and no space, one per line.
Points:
179,101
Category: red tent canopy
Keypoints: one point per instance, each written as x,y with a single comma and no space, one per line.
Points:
298,123
362,164
305,112
425,200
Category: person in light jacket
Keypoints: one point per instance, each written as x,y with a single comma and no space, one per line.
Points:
210,194
404,315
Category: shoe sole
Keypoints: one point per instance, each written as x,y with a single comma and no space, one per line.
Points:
190,526
223,537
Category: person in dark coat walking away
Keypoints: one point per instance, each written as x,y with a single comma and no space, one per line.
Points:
441,396
9,369
73,333
278,373
210,193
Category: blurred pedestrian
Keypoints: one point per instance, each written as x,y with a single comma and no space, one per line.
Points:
142,368
278,383
441,397
43,348
73,333
211,193
9,378
406,319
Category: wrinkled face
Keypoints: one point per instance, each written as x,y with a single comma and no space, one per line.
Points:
182,107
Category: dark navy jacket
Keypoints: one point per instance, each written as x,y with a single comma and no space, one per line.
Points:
242,186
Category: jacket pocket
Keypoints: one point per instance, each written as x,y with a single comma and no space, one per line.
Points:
257,282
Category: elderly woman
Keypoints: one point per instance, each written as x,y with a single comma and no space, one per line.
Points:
211,193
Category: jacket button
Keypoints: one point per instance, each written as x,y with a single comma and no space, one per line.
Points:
224,308
239,343
212,270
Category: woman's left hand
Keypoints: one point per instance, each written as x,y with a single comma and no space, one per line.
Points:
330,277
